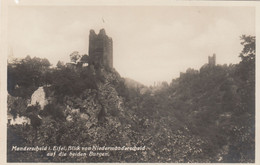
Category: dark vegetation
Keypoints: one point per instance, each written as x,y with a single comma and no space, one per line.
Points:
202,116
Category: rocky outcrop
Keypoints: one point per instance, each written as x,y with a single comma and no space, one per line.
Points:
94,105
19,120
38,97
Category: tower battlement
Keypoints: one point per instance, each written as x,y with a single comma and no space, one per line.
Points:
212,60
100,49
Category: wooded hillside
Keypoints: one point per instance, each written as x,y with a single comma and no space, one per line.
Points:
205,115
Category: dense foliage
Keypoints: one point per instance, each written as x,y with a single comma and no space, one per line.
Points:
202,116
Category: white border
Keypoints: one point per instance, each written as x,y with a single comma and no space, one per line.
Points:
3,49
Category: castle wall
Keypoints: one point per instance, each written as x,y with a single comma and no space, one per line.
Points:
108,53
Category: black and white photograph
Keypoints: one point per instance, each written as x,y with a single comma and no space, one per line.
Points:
130,84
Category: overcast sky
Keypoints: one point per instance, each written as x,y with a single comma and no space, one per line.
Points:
150,43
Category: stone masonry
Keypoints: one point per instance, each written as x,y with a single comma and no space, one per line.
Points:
100,49
212,60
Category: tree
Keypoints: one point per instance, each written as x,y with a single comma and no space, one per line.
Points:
84,59
243,122
26,75
248,52
75,57
246,68
60,64
45,63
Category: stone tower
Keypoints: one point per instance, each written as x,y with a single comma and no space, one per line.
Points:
100,49
212,60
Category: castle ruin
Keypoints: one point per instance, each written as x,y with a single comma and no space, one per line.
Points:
100,49
212,60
